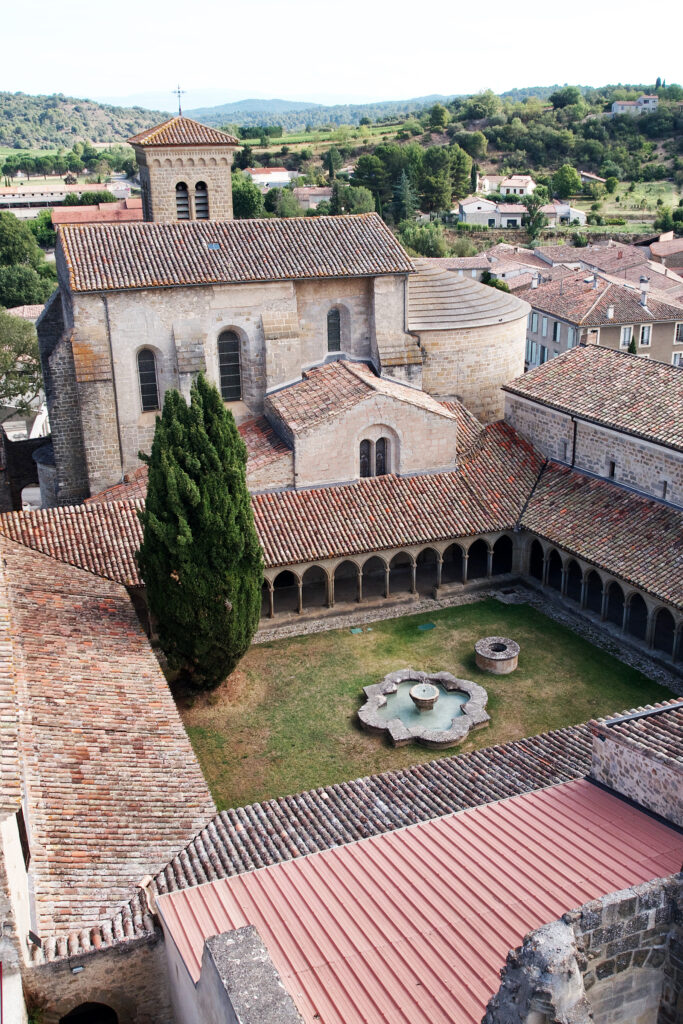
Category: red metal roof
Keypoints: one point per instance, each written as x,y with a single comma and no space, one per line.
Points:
413,926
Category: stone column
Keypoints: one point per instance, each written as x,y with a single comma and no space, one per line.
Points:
676,646
624,616
584,591
301,597
271,599
546,567
650,628
330,590
359,588
465,559
439,569
387,574
489,561
563,582
413,577
603,606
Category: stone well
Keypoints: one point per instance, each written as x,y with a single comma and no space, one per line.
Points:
497,654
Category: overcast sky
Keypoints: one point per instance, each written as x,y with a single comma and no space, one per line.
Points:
358,51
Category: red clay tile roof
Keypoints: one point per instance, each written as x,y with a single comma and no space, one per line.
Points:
633,537
182,131
573,298
656,734
470,430
615,389
113,787
120,212
611,258
511,208
674,245
328,390
379,931
26,312
132,487
103,257
10,772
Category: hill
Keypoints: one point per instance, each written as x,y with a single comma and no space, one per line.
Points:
47,122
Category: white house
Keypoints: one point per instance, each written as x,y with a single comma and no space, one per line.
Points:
559,212
475,210
309,197
517,185
270,177
645,104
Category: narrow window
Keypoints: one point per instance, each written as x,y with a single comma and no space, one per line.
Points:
570,337
678,336
147,376
201,201
382,457
544,327
665,488
544,354
534,322
565,450
611,470
229,366
182,201
677,359
557,328
365,458
333,331
645,333
23,838
626,335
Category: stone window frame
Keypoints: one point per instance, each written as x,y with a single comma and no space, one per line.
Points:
239,334
344,328
155,355
643,329
205,195
372,435
179,185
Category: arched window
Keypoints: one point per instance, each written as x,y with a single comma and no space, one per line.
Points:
201,201
147,376
333,331
381,456
229,366
182,201
365,458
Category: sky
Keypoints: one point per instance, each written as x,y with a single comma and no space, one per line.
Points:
327,53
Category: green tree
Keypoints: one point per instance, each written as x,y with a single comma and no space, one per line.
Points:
18,244
406,201
535,219
665,221
41,226
200,556
21,285
566,181
632,347
20,376
438,117
371,174
611,184
494,282
461,170
569,96
247,199
89,198
332,161
423,239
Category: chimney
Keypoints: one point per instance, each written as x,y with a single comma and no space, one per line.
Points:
644,289
610,312
535,279
595,280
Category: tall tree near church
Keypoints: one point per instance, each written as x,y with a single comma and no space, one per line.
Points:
461,168
200,556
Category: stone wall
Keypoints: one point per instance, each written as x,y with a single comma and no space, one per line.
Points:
616,960
10,949
161,170
649,779
130,977
314,300
472,364
637,463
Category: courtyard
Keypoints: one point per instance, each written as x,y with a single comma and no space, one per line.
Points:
286,720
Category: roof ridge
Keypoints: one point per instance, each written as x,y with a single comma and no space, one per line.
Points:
601,295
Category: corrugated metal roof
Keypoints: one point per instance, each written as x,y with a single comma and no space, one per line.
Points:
412,927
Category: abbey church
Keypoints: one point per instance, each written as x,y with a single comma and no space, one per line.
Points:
262,307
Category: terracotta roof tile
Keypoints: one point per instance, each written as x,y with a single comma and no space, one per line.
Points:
636,538
657,733
182,131
571,297
114,257
470,430
616,389
122,211
113,786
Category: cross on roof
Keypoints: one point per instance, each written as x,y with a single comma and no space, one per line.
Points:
179,92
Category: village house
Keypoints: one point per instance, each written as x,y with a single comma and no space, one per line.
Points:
645,104
591,179
122,211
587,308
475,210
270,177
668,252
517,185
309,197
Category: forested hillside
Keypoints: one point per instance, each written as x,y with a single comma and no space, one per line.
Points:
48,122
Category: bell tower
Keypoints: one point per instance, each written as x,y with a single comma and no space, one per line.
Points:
185,171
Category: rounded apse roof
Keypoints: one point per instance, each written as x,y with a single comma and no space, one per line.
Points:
441,300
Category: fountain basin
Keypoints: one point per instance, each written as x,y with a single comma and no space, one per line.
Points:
497,654
457,705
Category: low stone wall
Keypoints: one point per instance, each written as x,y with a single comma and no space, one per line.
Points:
651,780
616,960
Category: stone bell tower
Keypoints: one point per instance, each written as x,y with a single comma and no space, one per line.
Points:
185,171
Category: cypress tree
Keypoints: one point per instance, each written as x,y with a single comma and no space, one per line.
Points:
200,556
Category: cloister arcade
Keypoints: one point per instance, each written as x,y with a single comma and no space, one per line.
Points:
633,611
420,570
424,570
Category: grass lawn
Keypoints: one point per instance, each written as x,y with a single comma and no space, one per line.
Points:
286,720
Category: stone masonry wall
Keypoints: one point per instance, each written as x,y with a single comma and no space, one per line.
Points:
314,300
616,960
651,781
638,464
162,170
472,364
130,977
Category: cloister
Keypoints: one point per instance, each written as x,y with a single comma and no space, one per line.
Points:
427,570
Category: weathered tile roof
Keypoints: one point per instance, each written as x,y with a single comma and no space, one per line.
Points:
116,257
439,300
615,389
10,778
572,298
612,257
479,262
657,733
113,787
470,430
26,312
119,212
132,487
666,248
633,537
182,131
328,390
